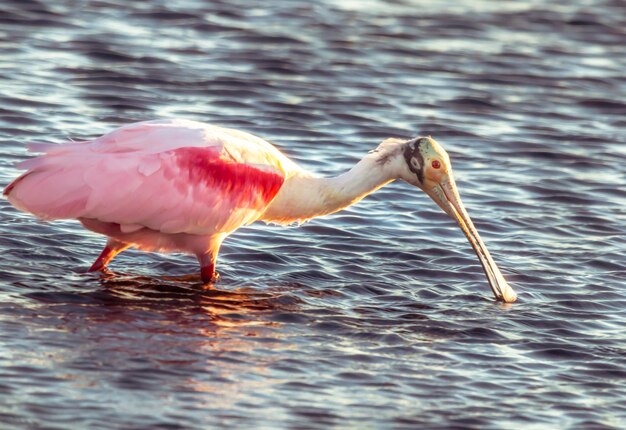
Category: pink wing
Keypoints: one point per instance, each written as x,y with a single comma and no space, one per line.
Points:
170,176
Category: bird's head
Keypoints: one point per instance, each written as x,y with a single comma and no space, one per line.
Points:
425,164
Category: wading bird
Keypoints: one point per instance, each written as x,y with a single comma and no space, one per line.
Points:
179,185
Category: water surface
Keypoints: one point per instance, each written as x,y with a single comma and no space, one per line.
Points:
378,316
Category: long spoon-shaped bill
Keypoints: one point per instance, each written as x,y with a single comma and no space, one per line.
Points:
449,200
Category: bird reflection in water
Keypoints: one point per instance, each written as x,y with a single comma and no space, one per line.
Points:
187,296
205,336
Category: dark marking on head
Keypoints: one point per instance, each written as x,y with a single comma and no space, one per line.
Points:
414,159
384,158
387,150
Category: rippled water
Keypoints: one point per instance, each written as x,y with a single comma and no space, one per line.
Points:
376,317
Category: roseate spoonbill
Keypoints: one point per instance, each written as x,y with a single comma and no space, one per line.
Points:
179,185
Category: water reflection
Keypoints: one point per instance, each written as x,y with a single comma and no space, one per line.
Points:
186,298
169,333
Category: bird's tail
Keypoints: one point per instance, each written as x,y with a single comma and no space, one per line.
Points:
32,147
9,188
51,188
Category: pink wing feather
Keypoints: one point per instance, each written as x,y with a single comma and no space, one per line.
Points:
171,176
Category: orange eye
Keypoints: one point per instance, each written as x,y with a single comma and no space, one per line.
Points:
436,164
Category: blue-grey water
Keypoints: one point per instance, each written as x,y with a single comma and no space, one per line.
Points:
378,316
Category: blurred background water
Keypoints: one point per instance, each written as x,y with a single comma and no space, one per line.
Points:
376,317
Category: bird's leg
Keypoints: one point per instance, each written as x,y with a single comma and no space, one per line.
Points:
207,248
207,267
112,248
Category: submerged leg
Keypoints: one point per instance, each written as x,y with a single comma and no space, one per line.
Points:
207,259
112,248
207,267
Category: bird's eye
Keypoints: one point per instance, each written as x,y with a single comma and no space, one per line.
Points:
436,164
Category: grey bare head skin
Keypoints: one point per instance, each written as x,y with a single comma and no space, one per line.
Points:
428,167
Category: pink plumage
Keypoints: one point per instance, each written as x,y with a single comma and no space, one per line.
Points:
167,185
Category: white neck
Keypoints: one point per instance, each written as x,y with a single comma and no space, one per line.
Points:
304,196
